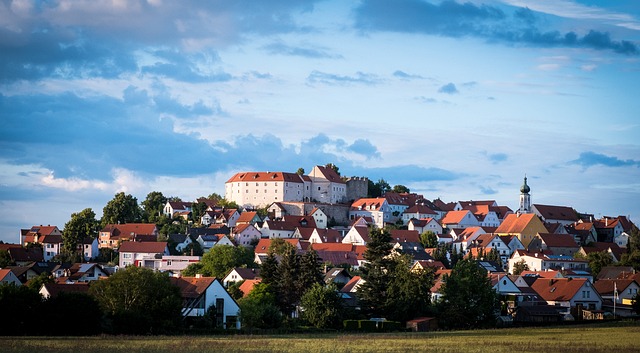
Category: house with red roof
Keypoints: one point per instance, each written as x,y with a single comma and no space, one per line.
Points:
248,217
245,234
425,225
558,244
357,236
463,238
176,208
418,212
610,248
523,225
239,274
568,293
460,220
112,235
324,236
259,189
247,286
52,290
36,233
138,253
7,276
555,214
201,293
609,228
319,217
583,232
378,209
352,285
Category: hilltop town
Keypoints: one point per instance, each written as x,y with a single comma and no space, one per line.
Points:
282,248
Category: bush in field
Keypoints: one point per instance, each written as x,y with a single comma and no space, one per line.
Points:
75,314
20,309
258,310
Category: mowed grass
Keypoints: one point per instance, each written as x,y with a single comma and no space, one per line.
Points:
612,337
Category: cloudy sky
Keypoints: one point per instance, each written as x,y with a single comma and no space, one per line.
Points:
456,100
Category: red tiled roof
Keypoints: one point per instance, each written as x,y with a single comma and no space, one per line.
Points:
143,247
192,287
558,289
515,223
420,209
56,288
266,176
247,286
454,217
364,202
349,286
330,174
263,245
558,240
246,217
561,213
128,229
606,286
332,246
403,236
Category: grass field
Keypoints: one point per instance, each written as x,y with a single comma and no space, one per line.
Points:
613,337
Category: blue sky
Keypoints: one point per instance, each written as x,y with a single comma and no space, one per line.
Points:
456,100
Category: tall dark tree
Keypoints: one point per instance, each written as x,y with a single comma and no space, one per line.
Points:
258,309
310,271
81,225
221,259
70,309
442,254
409,291
287,282
598,260
468,298
153,206
5,258
197,210
123,208
300,171
520,267
269,269
376,273
494,256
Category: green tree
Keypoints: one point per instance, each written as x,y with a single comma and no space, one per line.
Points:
635,304
258,309
598,260
310,271
37,282
221,259
401,189
278,246
378,188
269,268
494,256
409,291
286,285
429,239
81,225
5,258
520,267
300,171
234,290
138,300
123,208
193,269
468,298
442,254
153,206
322,307
376,273
197,211
632,256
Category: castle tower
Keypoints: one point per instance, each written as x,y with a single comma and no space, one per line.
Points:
525,198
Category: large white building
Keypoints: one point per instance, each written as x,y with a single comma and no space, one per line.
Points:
258,189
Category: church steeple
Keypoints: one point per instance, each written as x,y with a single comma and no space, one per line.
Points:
525,198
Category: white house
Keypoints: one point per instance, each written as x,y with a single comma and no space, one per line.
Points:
418,212
568,293
357,236
89,248
240,274
327,186
377,209
259,189
460,219
245,234
539,261
173,207
139,253
199,294
425,225
320,218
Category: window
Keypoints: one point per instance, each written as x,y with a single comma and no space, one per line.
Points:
126,256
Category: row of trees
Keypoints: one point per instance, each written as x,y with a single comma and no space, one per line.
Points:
132,301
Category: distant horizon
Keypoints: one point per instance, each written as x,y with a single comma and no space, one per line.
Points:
453,99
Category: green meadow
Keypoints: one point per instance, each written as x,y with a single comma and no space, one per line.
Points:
610,337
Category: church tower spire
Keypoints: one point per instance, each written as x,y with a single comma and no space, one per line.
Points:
525,198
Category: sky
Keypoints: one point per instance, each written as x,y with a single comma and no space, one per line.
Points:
457,100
